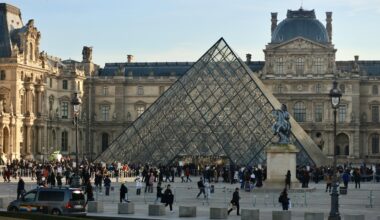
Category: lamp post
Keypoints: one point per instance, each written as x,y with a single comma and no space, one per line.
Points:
335,96
76,102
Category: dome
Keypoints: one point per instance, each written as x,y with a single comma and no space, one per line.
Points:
300,23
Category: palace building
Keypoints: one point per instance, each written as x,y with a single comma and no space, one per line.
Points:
36,116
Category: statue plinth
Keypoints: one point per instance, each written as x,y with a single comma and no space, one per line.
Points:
280,159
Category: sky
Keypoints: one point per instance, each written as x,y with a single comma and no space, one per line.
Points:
182,30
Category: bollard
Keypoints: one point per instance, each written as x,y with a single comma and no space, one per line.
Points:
281,215
95,207
354,217
187,211
156,210
250,214
218,213
314,216
126,208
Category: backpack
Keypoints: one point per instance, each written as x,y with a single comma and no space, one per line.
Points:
280,199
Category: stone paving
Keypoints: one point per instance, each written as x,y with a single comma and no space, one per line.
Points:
315,199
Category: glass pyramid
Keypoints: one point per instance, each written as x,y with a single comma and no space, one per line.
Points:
217,108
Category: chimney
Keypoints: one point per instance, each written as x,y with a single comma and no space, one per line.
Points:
356,58
249,57
129,58
274,21
329,25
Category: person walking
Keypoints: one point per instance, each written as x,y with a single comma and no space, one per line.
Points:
20,187
89,192
235,201
159,193
123,193
346,178
287,179
201,188
328,180
284,199
168,198
357,177
107,185
187,173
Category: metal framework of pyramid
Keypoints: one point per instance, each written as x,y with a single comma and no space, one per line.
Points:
217,108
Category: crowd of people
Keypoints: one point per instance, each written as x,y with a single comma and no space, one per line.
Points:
146,176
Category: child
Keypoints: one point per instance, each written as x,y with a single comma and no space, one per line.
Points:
138,185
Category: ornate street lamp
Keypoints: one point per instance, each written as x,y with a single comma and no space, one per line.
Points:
335,96
76,102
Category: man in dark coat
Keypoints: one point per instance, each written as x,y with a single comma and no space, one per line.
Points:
123,192
20,188
235,201
168,198
201,188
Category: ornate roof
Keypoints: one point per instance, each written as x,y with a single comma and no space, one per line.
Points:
300,23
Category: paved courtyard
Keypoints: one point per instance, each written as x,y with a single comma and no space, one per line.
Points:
358,201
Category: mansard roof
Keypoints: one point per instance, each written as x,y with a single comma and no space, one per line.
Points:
366,67
158,68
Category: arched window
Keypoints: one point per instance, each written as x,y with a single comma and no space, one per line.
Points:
2,75
104,141
375,90
299,112
337,150
65,140
375,143
347,150
300,65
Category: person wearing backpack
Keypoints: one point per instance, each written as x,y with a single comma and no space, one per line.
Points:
284,199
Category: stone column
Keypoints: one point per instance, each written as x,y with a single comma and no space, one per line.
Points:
28,138
1,141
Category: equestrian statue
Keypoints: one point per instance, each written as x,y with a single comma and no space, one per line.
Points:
282,126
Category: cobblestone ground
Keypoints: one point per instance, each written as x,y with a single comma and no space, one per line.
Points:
357,201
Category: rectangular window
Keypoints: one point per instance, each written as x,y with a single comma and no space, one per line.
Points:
375,113
280,65
140,90
318,65
318,88
299,65
105,109
51,196
50,82
161,90
318,112
64,84
105,91
342,112
65,110
375,144
140,110
65,141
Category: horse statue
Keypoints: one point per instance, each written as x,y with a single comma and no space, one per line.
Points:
282,126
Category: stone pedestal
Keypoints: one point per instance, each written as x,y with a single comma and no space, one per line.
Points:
280,159
250,214
156,210
187,211
94,206
126,208
314,216
218,213
281,215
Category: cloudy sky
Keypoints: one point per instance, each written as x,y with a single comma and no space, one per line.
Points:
182,30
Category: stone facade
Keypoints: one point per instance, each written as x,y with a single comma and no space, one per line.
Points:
36,90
